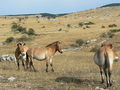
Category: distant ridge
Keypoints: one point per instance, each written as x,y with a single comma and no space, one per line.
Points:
111,5
42,14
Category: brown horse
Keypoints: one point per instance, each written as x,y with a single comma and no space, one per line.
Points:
20,54
45,53
104,58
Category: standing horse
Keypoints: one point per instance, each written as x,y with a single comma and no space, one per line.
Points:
104,58
20,54
45,53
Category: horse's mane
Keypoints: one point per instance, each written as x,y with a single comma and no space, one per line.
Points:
52,44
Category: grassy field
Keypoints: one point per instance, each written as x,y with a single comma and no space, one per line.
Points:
74,70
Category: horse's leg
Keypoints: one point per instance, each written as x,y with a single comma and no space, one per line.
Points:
51,64
27,62
23,64
106,74
101,72
18,64
109,74
46,65
31,64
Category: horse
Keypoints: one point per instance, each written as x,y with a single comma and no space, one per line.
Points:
104,58
44,53
20,54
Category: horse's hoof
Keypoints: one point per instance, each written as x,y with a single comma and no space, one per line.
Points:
110,84
18,69
46,70
52,70
35,70
102,82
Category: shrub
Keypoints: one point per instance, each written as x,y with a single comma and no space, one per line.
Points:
17,28
23,38
80,24
68,25
114,30
102,26
21,29
20,19
87,26
43,27
112,25
74,45
107,35
9,39
85,23
31,32
80,42
14,26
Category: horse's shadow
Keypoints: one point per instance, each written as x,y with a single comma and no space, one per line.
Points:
69,80
76,80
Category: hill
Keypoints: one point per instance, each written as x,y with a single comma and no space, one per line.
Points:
111,5
42,14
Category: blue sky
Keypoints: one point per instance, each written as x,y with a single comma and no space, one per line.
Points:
12,7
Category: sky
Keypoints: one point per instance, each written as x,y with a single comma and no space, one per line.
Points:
13,7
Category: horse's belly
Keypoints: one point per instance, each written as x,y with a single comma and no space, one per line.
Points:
39,58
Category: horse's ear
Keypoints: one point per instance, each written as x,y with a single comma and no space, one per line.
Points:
111,46
59,42
24,44
102,45
18,44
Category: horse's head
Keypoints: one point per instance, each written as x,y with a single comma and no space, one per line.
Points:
22,49
59,49
110,46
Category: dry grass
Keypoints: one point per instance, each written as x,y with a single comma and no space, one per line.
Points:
74,70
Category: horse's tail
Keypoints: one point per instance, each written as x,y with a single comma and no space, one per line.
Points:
107,63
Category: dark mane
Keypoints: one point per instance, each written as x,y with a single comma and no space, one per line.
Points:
52,44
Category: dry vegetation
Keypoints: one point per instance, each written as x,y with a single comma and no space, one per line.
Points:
74,70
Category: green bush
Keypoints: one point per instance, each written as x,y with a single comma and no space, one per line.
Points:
68,25
17,28
31,32
21,29
102,26
80,42
80,24
85,23
23,38
9,39
112,25
114,30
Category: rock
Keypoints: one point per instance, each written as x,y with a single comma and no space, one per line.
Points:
11,79
102,42
2,43
1,77
7,58
101,89
97,88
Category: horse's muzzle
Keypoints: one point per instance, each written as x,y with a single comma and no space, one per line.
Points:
116,59
61,51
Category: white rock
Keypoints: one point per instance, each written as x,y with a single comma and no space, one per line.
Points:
102,89
97,88
11,79
1,77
